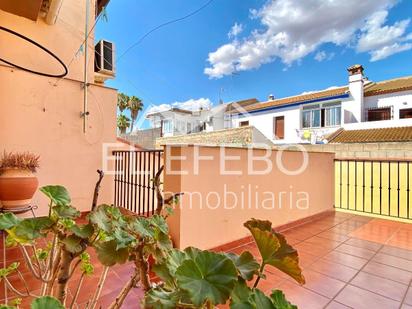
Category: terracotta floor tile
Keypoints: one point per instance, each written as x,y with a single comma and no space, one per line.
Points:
356,251
379,285
393,261
336,305
361,299
333,235
399,252
322,284
303,298
311,248
346,259
364,244
388,272
271,282
334,270
323,242
408,297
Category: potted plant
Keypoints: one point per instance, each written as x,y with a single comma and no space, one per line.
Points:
17,180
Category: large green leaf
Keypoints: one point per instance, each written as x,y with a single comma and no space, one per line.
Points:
239,299
66,212
274,249
161,299
208,276
83,231
8,220
142,226
280,301
30,229
122,238
101,218
46,302
266,241
57,194
286,259
260,301
108,254
160,223
73,244
245,264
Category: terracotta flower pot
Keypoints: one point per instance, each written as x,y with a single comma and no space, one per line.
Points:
17,188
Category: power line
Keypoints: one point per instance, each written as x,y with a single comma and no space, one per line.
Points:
140,40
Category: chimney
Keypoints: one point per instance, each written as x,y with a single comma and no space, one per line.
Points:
354,111
271,97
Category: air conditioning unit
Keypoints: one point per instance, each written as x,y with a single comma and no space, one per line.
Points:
104,60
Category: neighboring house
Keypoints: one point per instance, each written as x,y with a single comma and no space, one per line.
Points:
49,116
313,116
176,121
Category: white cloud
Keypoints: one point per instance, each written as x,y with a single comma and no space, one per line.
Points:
191,105
235,30
292,29
322,55
382,40
389,50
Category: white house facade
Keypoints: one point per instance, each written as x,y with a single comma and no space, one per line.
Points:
312,117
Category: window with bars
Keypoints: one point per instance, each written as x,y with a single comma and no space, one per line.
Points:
380,113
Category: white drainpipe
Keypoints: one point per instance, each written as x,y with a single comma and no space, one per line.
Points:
53,12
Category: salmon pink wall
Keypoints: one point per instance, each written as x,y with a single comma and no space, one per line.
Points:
42,114
203,222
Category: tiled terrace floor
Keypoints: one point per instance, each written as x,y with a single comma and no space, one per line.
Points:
349,262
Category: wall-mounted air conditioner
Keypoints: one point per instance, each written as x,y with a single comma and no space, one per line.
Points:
104,60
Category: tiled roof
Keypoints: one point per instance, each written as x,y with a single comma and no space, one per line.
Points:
235,106
299,98
398,134
389,86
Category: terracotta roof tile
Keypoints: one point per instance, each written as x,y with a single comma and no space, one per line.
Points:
389,86
398,134
298,98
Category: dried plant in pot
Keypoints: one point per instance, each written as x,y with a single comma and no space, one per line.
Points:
18,182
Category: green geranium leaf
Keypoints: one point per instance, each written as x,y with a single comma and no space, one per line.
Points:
245,264
100,218
108,254
30,229
46,302
66,211
4,272
260,300
239,299
161,299
57,194
266,241
123,239
160,223
286,259
208,276
174,260
73,244
163,241
83,231
142,226
7,307
274,249
280,301
8,220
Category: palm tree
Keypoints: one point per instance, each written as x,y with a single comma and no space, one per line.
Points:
122,101
135,105
123,122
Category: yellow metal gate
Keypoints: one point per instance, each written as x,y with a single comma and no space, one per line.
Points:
379,187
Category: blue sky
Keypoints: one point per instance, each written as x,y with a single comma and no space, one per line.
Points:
285,47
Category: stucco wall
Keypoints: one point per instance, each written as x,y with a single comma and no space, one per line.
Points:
215,206
42,115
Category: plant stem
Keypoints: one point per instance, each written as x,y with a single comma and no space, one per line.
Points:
118,302
141,265
63,276
76,295
54,272
99,288
260,272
